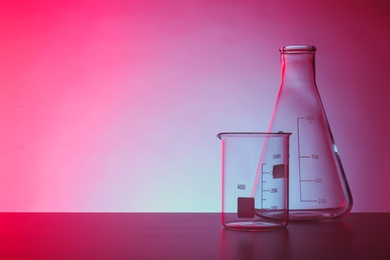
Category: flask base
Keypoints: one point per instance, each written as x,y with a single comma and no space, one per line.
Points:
317,214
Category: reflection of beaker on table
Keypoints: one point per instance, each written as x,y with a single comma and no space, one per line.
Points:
318,186
255,180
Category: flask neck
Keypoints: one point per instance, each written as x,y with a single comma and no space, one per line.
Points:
298,68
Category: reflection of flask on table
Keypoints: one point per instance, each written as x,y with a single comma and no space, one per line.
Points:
318,186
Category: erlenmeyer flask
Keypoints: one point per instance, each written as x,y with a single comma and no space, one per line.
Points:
318,186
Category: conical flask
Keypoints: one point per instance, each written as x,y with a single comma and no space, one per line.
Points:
318,187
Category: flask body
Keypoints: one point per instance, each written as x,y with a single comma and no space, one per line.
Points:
318,187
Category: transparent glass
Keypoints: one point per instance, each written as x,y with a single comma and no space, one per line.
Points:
254,180
318,185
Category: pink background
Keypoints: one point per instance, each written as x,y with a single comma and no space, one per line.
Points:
115,105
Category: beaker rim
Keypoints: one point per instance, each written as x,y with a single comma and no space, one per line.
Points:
298,49
253,134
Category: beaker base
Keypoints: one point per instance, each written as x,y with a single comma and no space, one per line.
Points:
253,226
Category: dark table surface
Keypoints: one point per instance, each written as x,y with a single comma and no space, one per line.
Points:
186,236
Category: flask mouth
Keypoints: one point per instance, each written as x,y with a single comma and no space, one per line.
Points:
298,49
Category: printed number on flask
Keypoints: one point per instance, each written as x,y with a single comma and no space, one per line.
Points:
315,156
322,201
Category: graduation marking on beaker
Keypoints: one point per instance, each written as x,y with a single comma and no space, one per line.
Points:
268,192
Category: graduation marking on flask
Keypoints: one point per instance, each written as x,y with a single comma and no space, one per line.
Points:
301,157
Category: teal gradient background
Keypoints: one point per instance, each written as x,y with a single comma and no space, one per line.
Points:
115,105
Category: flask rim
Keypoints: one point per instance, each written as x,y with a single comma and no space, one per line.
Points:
298,49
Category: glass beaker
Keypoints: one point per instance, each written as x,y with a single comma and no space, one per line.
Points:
254,180
318,185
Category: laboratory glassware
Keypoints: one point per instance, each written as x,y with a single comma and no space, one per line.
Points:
249,160
318,185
